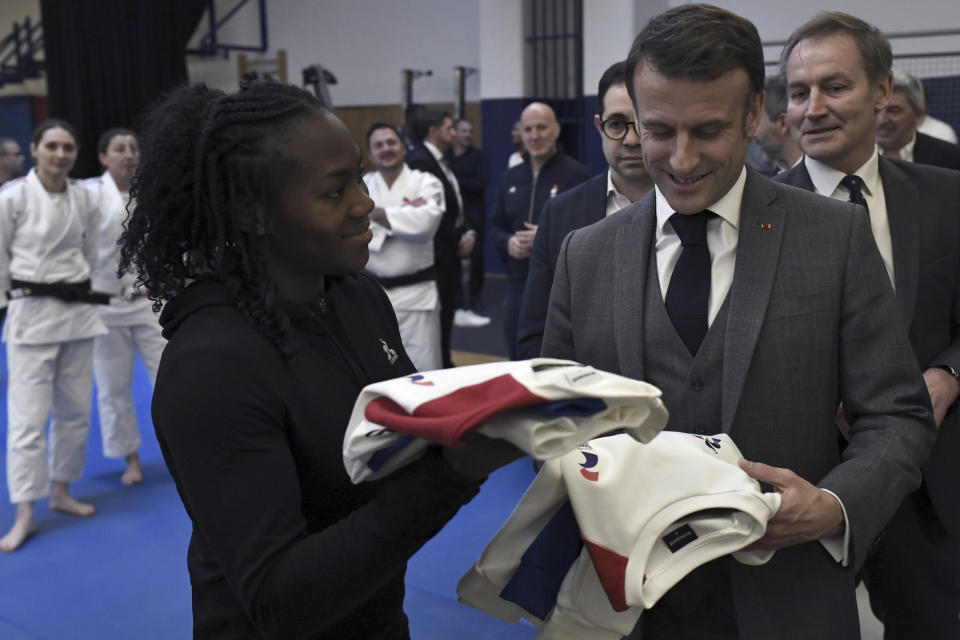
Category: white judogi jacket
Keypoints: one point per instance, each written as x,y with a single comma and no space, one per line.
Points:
647,514
41,241
544,407
407,247
113,211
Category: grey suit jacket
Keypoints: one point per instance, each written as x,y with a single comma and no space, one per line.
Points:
807,328
923,208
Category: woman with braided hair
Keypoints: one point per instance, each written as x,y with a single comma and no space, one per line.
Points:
252,226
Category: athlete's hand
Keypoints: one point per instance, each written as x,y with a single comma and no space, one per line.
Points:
480,456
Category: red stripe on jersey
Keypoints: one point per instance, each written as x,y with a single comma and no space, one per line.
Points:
612,570
446,420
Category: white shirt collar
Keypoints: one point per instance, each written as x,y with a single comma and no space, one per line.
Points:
429,146
906,152
826,179
727,207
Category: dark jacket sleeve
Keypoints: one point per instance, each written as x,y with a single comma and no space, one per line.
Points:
499,230
536,293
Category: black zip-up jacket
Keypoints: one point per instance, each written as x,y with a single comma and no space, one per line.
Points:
283,545
520,199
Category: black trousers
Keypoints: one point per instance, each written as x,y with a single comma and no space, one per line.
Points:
913,575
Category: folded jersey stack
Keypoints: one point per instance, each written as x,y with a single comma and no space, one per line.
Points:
543,406
646,514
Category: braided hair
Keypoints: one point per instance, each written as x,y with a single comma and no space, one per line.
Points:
211,163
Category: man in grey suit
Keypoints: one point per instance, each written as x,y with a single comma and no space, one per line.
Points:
757,309
838,74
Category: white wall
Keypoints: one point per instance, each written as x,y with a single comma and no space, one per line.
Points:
502,49
366,44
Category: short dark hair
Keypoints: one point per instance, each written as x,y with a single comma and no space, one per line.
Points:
426,119
376,126
701,42
615,74
459,120
104,142
875,53
775,103
54,123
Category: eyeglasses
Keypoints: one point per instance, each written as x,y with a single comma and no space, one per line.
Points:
616,129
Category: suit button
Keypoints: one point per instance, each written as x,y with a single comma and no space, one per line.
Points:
696,384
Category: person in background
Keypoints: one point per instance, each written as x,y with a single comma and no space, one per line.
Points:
132,325
11,160
838,70
625,182
897,134
521,195
516,136
48,244
409,206
273,330
454,238
773,134
472,169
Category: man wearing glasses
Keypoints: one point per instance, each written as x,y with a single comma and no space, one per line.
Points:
546,171
624,183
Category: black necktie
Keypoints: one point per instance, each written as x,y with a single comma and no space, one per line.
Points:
688,293
854,185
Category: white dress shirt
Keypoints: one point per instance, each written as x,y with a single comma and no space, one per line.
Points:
826,182
451,177
615,199
722,237
906,151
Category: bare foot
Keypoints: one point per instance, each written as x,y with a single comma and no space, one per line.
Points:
60,500
23,527
134,472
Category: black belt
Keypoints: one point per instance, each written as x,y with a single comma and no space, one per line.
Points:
424,275
65,291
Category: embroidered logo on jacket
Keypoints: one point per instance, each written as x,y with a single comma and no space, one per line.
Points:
419,379
590,460
391,354
712,443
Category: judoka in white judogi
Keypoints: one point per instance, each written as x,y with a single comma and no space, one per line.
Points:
414,205
45,238
132,327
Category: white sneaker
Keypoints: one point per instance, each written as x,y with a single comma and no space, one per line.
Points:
468,318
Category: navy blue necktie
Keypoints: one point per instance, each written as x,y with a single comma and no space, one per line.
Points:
854,185
688,293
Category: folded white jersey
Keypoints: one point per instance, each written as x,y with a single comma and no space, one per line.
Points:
544,407
647,515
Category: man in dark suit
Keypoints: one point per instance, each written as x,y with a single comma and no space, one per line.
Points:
897,134
472,168
453,239
626,181
756,308
838,74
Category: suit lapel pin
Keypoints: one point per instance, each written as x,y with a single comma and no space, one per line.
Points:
766,226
